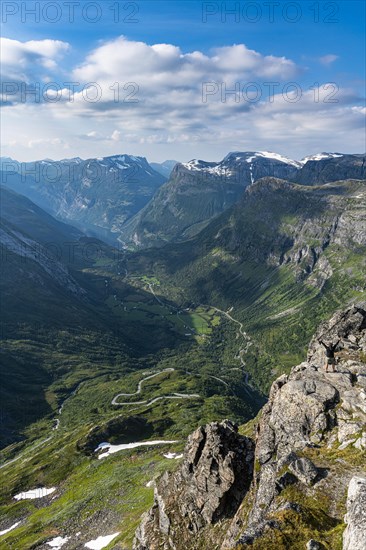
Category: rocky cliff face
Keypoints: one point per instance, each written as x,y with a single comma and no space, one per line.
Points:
280,223
214,477
291,491
325,167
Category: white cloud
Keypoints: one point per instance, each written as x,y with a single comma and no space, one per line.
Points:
58,142
116,136
164,109
24,60
166,65
328,59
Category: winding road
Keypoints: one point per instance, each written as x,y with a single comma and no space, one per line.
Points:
26,451
139,389
146,402
152,401
242,332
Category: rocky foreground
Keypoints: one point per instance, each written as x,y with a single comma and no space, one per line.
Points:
297,482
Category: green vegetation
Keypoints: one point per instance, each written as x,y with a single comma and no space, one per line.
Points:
85,486
136,314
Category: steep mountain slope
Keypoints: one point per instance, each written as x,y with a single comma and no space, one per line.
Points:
45,299
327,167
98,195
37,255
280,260
166,340
71,321
309,447
198,191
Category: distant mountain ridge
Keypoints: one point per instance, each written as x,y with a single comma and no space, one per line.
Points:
197,191
124,199
165,168
98,195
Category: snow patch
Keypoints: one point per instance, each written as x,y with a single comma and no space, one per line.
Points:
10,528
281,158
192,165
116,448
174,456
320,156
57,542
100,542
40,492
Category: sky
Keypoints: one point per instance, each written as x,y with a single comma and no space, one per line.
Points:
181,79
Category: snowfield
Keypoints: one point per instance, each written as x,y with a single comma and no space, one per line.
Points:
321,156
174,456
116,448
100,542
40,492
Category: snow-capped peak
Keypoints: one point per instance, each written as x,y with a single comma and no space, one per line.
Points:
249,157
276,156
320,156
196,164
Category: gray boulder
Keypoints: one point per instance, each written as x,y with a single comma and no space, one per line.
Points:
354,537
304,470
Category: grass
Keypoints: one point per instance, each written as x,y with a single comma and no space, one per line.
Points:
98,349
116,484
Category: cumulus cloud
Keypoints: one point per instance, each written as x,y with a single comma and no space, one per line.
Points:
151,86
116,135
27,60
153,96
165,65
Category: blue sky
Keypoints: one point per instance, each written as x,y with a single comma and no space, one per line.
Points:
319,46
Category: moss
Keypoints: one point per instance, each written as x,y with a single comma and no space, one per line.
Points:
336,458
249,428
294,528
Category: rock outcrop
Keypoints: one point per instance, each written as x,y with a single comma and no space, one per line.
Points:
354,537
209,486
311,418
306,410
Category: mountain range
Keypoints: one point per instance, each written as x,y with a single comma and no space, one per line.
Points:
124,199
198,191
113,355
97,195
